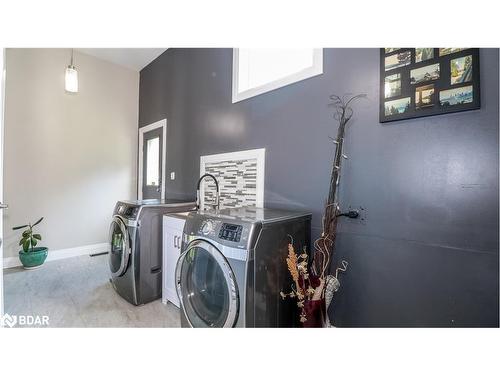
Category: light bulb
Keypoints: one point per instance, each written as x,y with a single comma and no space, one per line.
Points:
71,79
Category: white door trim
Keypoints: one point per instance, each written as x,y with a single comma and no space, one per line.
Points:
145,129
259,154
2,101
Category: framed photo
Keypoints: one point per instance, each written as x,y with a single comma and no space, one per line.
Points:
462,95
461,69
397,60
424,74
422,54
424,97
418,82
398,106
392,85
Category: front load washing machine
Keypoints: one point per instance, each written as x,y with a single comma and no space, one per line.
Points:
135,258
232,267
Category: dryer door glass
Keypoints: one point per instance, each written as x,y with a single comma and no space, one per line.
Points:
208,288
118,255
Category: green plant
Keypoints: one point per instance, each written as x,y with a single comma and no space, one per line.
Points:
28,238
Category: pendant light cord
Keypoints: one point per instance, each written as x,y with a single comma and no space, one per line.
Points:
71,57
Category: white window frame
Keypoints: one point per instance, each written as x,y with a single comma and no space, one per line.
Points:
145,129
315,70
259,154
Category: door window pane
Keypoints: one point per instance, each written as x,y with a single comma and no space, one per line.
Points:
153,162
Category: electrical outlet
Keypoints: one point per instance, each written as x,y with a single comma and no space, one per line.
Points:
361,219
172,176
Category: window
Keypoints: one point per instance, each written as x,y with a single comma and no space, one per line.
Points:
256,71
153,162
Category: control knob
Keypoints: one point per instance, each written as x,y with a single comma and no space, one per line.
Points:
207,227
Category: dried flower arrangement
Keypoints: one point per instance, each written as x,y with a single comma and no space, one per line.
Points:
313,286
303,286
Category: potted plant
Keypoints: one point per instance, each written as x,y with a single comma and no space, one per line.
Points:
30,255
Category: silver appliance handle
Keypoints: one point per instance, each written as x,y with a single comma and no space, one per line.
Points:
178,290
4,206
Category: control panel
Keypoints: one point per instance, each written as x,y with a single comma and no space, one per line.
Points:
230,232
127,211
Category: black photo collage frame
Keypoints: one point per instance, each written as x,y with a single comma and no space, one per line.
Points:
418,82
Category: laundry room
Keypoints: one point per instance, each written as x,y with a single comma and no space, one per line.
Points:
251,187
212,187
176,188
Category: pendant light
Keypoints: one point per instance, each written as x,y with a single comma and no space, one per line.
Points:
71,77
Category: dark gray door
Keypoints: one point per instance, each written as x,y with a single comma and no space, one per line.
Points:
152,149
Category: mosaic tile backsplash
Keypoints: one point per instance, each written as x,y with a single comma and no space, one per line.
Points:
237,183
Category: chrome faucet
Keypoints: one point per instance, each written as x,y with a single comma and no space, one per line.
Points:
217,196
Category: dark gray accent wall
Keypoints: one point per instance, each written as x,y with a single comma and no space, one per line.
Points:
427,252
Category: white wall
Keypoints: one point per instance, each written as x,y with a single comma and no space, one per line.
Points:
68,157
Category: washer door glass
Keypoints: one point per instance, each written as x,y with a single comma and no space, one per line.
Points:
118,256
207,287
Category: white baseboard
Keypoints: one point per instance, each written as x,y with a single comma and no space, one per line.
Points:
62,254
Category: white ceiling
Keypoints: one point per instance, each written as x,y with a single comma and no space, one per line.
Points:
133,58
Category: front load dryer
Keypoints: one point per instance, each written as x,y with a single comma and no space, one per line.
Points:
135,257
232,267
